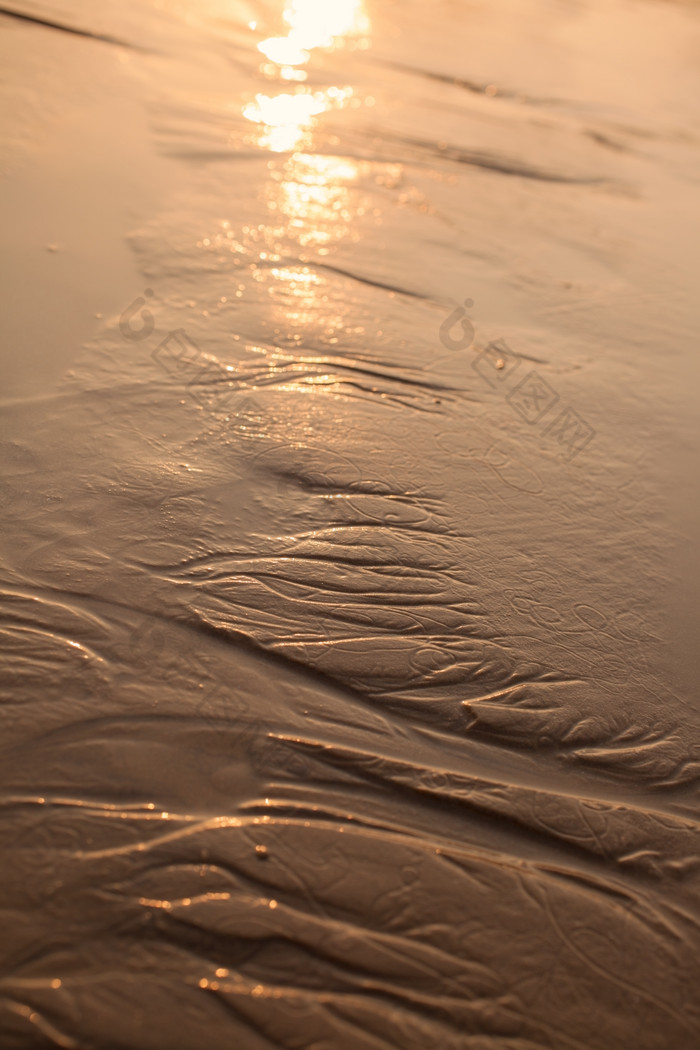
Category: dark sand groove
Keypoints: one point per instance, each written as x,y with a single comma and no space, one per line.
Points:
63,28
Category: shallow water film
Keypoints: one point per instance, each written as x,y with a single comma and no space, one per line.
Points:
348,505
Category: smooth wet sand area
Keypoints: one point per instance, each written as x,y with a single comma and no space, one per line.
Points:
78,172
347,703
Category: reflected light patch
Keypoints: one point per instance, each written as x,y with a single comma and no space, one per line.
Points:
289,73
286,117
283,51
312,24
314,195
318,23
284,110
299,295
295,276
321,170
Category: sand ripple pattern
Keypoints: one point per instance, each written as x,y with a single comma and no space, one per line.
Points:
334,713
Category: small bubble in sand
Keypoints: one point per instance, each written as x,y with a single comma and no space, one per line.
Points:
261,852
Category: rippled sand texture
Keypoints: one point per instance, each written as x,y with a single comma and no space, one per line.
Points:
343,708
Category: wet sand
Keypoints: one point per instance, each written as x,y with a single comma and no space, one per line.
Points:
348,516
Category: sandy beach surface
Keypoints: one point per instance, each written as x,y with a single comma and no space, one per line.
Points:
348,517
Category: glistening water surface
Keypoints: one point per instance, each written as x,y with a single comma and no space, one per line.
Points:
349,697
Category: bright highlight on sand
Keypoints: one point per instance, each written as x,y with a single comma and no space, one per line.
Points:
314,23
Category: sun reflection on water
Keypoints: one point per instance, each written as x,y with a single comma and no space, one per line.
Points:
314,198
315,23
285,119
315,195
